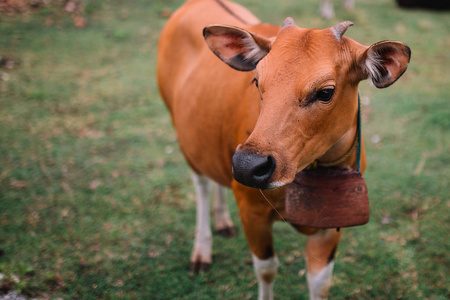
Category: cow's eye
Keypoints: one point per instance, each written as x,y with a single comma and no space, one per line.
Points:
325,94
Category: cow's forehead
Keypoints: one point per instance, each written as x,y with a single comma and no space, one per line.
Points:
311,54
306,45
298,50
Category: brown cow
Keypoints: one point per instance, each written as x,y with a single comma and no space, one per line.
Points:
301,108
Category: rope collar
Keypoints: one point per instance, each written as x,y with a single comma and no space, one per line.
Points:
355,147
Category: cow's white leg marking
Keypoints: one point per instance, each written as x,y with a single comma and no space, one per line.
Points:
320,251
201,256
320,283
266,270
222,220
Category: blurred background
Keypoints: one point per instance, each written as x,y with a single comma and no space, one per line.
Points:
95,197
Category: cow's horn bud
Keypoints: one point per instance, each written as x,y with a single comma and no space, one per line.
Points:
288,22
340,29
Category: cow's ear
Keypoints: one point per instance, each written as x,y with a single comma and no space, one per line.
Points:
237,47
385,62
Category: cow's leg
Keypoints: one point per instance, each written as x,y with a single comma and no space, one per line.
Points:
326,9
265,270
222,221
257,217
320,250
201,257
349,4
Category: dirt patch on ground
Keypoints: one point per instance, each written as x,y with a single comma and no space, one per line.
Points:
58,8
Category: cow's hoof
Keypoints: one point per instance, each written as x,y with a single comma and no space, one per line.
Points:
227,232
198,266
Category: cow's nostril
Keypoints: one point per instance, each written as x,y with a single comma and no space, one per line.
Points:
265,168
253,170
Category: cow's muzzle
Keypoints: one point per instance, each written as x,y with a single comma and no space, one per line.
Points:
253,170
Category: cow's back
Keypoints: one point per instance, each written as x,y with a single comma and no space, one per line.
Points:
182,47
212,106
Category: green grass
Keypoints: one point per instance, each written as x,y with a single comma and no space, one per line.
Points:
96,200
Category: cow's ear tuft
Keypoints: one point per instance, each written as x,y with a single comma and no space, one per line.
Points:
385,62
237,47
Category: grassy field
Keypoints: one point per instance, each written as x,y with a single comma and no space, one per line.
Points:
96,200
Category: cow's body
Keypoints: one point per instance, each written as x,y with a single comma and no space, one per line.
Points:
185,64
216,109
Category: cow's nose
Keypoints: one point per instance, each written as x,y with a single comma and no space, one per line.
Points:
253,170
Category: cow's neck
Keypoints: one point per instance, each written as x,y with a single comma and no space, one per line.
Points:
341,154
344,147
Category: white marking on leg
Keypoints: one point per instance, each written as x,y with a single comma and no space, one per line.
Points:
320,283
266,270
203,237
221,213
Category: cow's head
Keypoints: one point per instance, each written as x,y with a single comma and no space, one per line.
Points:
308,81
